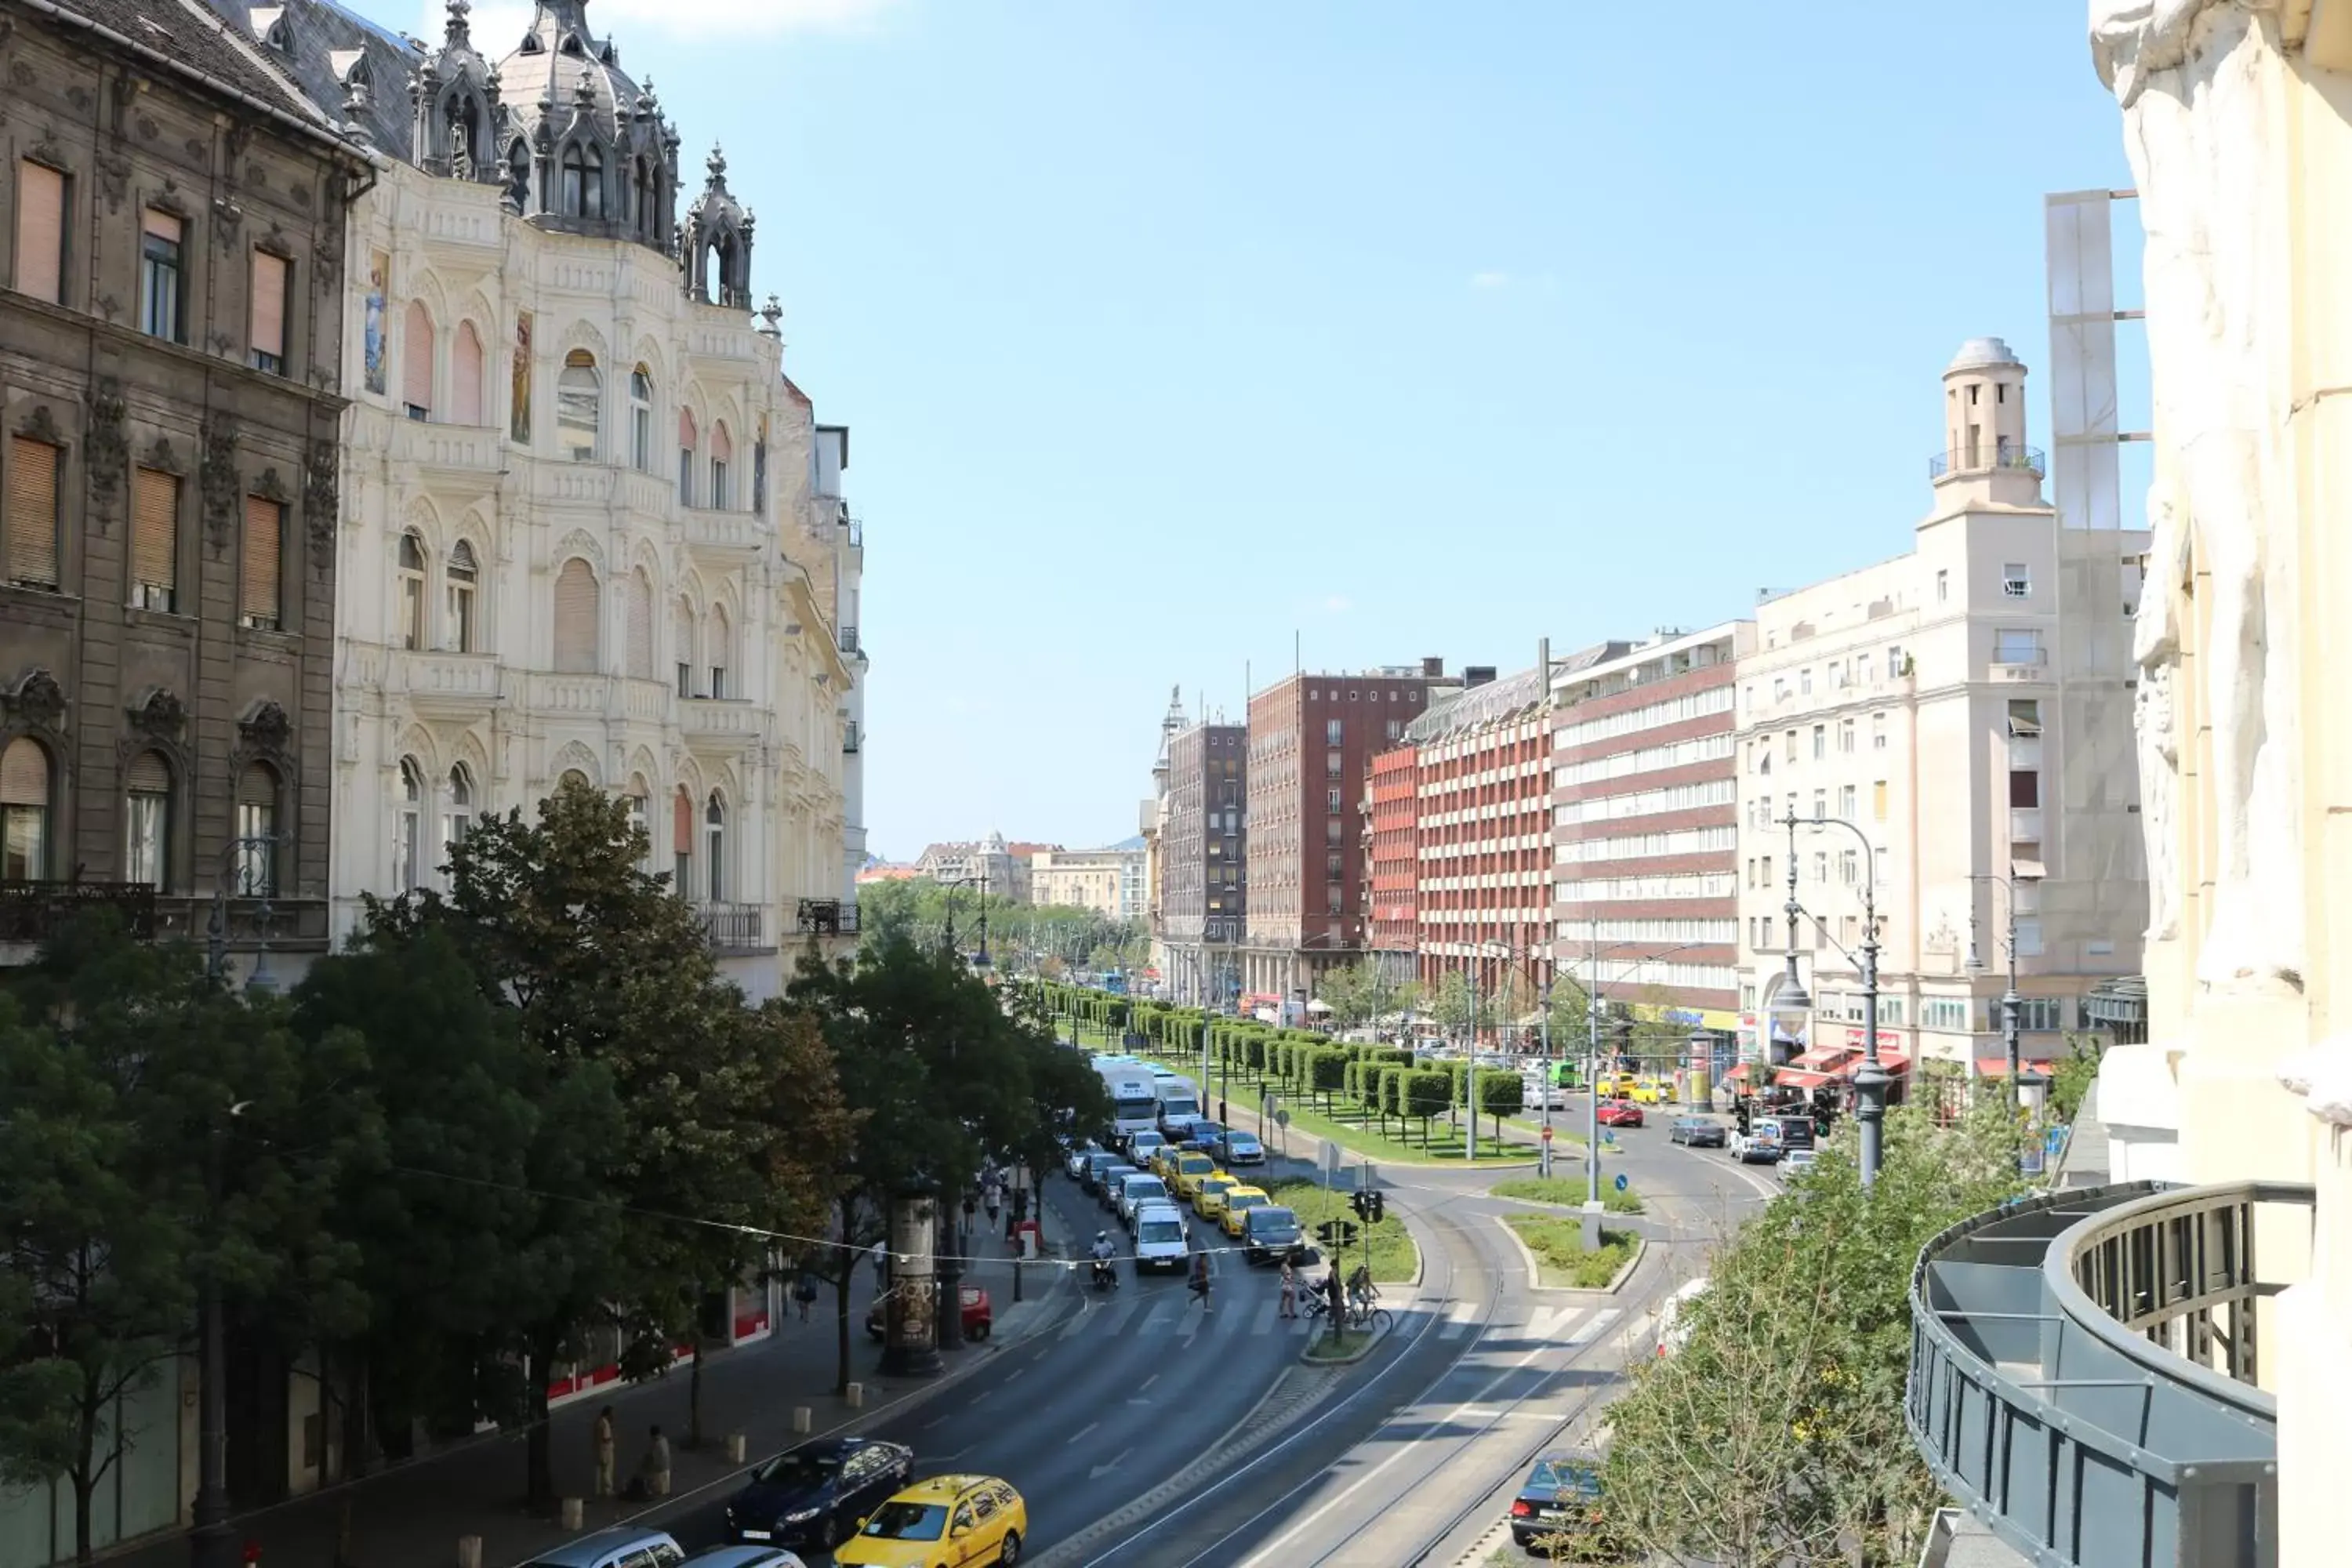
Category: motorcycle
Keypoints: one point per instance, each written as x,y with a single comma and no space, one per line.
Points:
1106,1274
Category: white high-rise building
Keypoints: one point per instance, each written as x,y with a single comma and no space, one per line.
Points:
1967,706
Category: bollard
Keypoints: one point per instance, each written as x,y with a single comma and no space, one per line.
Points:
469,1551
800,1420
573,1511
856,1396
735,1446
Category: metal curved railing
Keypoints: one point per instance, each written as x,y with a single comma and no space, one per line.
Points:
2058,1384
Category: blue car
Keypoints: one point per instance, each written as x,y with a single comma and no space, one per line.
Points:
1239,1148
816,1495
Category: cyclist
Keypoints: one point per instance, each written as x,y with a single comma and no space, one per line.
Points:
1361,1291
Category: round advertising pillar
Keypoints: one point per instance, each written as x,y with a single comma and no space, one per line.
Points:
910,1345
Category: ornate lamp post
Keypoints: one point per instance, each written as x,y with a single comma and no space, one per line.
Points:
1870,1084
2010,1001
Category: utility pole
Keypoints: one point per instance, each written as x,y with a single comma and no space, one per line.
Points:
1872,1082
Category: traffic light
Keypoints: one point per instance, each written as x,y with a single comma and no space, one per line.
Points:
1376,1206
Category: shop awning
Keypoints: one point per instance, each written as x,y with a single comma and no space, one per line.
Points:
1893,1062
1825,1057
1738,1074
1796,1078
1998,1067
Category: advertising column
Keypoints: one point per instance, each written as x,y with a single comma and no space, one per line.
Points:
910,1309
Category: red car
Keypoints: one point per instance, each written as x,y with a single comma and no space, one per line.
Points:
978,1315
1620,1113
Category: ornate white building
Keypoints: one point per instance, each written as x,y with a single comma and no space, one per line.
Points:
583,532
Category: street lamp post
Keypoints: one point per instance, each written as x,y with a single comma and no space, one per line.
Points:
2010,1003
1870,1084
210,1542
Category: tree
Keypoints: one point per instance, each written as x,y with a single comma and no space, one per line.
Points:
1427,1093
1775,1431
1362,993
1451,1003
1501,1093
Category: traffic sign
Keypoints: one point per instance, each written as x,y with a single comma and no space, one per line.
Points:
1621,1181
1547,1134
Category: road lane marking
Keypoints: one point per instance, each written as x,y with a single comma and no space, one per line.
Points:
933,1422
1267,1315
1146,1382
1598,1325
1457,1319
1082,1432
1016,1372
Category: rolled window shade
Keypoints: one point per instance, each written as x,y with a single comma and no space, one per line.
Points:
32,512
163,226
641,627
258,601
722,449
575,618
681,823
40,231
257,787
416,358
269,305
685,428
149,774
156,530
24,774
465,376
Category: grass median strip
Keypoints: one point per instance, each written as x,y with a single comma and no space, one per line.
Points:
1567,1189
1394,1258
1558,1243
1357,1130
1352,1341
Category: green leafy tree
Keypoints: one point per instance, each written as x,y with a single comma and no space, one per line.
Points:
1775,1431
1501,1093
1427,1093
1450,1002
1327,1070
1362,993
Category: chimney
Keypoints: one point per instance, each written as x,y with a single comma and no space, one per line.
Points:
1477,675
1430,668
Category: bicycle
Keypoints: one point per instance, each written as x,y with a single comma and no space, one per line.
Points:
1365,1315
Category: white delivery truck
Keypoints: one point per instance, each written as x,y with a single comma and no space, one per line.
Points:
1135,1105
1180,1102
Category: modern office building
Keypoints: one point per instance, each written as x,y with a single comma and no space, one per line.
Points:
1644,898
1962,711
1205,874
1483,885
1311,740
1393,859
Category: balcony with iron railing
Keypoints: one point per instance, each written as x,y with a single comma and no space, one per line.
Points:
2002,456
827,917
733,927
33,910
2083,1371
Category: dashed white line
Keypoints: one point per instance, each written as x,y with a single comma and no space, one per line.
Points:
1082,1432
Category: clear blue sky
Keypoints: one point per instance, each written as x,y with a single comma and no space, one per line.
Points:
1166,329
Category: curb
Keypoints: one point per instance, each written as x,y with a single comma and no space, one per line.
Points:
1535,1267
1308,1357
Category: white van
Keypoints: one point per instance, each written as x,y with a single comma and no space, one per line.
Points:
1160,1239
1673,1317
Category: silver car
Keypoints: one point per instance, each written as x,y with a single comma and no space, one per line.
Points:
1140,1189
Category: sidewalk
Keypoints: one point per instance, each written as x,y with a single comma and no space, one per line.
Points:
412,1515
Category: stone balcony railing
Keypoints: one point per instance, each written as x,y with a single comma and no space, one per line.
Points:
467,681
735,534
722,718
2083,1366
473,449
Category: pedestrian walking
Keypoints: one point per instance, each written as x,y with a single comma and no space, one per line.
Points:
601,1438
1289,1290
1335,1293
995,1198
881,1257
656,1466
804,1292
1200,1282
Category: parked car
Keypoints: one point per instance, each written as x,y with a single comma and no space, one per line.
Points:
1558,1511
960,1519
622,1547
817,1494
1075,1160
974,1307
1797,1162
1619,1113
1699,1132
1239,1148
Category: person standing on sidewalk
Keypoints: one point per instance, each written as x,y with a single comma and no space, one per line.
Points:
656,1470
607,1465
881,1256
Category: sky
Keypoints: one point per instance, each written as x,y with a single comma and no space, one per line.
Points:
1169,332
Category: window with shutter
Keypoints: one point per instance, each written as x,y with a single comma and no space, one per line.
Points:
24,810
154,539
575,618
32,513
641,627
416,362
682,646
465,376
159,260
269,312
257,831
681,843
258,603
40,232
146,822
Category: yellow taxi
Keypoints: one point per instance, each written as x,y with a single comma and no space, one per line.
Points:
947,1521
1163,1162
1209,1197
1614,1085
1190,1170
1653,1091
1239,1201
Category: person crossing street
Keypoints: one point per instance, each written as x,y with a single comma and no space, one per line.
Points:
1200,1280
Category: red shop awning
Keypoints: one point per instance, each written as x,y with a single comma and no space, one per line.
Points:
1736,1074
1998,1067
1797,1078
1823,1056
1893,1062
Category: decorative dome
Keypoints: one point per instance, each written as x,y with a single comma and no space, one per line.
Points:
584,148
1980,353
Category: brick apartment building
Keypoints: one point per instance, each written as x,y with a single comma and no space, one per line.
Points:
1204,869
1483,887
1645,808
1393,858
1312,739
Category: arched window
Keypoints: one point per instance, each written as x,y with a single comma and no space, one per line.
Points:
519,174
687,444
407,828
717,639
257,832
681,839
460,820
640,665
578,406
647,202
584,181
147,822
25,810
465,577
682,646
416,363
575,618
722,455
409,632
714,836
640,805
465,376
641,419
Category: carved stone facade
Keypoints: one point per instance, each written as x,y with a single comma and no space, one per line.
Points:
169,345
579,526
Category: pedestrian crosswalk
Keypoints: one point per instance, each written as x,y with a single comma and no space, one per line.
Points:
1172,1314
